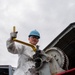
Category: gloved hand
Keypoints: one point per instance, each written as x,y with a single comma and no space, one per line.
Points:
13,35
37,54
37,57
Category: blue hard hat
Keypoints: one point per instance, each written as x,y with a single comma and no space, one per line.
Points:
34,33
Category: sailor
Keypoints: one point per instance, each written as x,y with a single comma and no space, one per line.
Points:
25,53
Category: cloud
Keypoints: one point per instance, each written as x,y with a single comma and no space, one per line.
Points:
49,17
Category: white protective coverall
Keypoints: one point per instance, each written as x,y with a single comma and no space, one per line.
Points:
25,53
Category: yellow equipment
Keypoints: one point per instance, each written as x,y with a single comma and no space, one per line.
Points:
19,41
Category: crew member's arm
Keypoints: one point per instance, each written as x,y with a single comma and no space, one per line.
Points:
11,44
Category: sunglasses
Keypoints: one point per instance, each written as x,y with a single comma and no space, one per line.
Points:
35,37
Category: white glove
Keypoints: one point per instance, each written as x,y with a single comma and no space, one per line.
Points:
13,34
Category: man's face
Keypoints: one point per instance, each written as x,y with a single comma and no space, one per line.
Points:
33,40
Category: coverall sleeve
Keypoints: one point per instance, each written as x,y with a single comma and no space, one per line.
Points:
12,48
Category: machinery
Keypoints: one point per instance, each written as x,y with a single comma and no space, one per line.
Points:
58,58
51,62
61,52
65,41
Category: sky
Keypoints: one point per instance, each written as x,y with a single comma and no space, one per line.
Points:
49,17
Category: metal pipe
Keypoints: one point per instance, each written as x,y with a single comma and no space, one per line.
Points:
14,29
19,41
